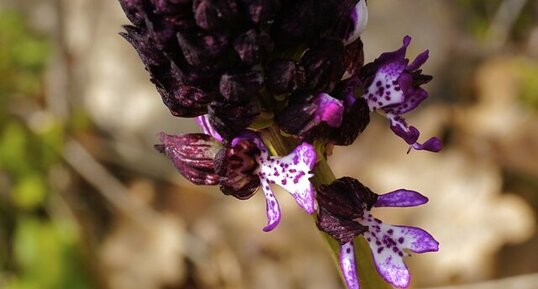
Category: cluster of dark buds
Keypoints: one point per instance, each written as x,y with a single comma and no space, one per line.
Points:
244,68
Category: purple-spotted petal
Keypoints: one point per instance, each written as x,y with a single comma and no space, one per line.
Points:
272,208
385,89
413,96
207,128
401,198
292,172
388,243
348,266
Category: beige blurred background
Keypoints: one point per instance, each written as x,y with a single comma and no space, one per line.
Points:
85,201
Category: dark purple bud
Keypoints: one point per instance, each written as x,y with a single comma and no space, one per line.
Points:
134,10
296,23
201,48
182,100
214,14
172,7
230,119
284,76
324,64
356,115
193,155
237,166
261,11
342,230
240,86
311,117
355,119
185,101
143,46
354,57
251,46
340,203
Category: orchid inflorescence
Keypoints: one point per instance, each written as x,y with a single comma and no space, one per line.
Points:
246,67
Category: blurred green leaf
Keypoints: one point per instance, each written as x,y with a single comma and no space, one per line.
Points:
13,144
47,255
29,191
528,70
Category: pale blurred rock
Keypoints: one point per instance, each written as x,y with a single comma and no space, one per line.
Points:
136,257
498,124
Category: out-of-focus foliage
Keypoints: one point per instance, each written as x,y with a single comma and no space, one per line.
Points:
476,17
528,70
38,249
22,59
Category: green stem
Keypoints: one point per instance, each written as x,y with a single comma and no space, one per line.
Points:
368,276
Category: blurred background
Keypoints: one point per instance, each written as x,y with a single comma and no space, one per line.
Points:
85,201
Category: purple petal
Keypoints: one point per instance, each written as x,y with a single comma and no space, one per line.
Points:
330,110
348,266
207,128
272,208
399,126
433,145
292,172
410,134
421,59
396,55
388,242
401,198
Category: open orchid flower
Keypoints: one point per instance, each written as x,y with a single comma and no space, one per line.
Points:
344,213
291,172
393,87
243,167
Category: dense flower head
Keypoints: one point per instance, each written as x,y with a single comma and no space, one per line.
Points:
234,59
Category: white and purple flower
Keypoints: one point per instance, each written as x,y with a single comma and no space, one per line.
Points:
242,166
393,87
344,213
291,172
